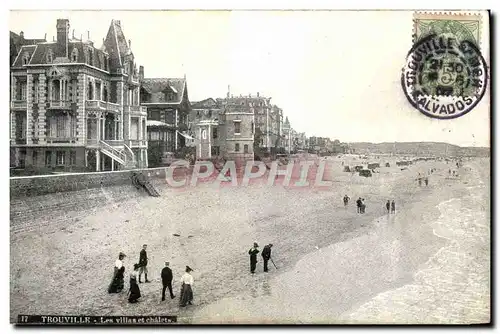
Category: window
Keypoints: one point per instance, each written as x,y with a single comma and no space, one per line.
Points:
72,158
74,55
35,157
50,56
60,157
48,158
61,126
90,91
204,134
253,128
237,147
23,91
245,148
214,133
36,91
237,128
26,58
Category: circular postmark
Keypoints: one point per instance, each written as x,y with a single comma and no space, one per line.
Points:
445,75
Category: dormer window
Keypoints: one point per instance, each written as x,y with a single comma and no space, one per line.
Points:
91,57
86,54
26,58
74,55
50,56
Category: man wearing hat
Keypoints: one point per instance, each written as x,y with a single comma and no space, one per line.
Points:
253,257
266,255
166,278
186,288
143,263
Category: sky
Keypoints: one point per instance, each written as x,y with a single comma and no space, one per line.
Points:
334,73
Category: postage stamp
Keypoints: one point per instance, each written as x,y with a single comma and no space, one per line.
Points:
445,75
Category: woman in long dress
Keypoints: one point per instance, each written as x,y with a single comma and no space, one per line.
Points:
134,292
116,284
186,290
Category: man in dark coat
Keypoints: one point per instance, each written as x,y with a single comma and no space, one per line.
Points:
143,262
166,278
253,257
358,205
388,206
266,255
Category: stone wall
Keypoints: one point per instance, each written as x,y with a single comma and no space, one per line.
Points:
46,184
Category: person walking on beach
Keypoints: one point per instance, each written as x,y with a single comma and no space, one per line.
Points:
346,200
186,288
393,207
426,180
388,206
253,257
143,263
363,206
117,283
134,291
266,255
358,205
166,279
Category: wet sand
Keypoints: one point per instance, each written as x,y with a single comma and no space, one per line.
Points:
343,259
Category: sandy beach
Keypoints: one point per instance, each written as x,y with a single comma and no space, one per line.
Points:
335,266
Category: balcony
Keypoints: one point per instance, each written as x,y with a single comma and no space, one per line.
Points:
136,110
133,80
61,140
59,104
20,104
135,143
102,105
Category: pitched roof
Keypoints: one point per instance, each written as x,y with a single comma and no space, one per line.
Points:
156,87
116,44
206,103
42,49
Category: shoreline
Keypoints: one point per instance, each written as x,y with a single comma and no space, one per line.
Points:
429,212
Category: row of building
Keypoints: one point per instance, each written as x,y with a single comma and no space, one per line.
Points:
77,107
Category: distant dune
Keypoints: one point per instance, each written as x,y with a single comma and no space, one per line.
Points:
420,148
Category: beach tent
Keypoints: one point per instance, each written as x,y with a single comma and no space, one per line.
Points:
347,169
365,173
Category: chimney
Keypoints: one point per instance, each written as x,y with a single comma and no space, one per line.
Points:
45,37
21,34
129,44
62,37
141,72
88,35
258,94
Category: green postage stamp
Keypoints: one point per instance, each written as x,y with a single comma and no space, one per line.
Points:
445,75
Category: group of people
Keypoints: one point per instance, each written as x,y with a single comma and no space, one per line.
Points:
390,206
134,292
266,256
360,204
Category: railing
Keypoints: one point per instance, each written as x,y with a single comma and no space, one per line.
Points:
134,79
66,140
136,110
19,104
92,142
131,154
102,105
114,142
137,143
113,106
63,104
113,151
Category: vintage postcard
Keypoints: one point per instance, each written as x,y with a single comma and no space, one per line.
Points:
249,167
